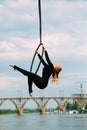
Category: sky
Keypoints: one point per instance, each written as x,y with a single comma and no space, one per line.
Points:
64,34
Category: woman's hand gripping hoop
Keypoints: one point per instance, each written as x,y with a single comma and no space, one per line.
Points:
31,67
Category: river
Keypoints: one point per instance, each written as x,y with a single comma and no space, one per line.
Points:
44,122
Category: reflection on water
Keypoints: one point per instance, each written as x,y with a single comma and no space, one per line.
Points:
43,122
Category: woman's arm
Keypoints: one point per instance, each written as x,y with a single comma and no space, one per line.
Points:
41,58
47,58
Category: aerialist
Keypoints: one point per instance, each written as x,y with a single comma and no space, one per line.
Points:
48,70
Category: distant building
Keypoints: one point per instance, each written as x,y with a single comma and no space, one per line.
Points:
79,95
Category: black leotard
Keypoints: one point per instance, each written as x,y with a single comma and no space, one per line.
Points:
40,82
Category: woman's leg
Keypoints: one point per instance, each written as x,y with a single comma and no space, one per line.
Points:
30,85
26,73
38,81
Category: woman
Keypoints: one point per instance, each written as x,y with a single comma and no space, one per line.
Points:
48,70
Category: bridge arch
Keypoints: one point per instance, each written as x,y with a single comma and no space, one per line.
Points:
6,103
31,100
2,101
56,100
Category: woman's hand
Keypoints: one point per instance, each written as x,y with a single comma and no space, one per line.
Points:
36,52
43,47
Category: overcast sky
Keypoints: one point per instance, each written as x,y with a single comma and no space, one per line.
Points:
64,34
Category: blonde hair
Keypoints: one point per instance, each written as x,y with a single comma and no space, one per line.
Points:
55,78
55,75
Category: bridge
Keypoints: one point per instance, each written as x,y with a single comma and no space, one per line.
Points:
41,102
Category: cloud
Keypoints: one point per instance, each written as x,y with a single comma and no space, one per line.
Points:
8,81
16,13
17,48
5,81
59,45
65,45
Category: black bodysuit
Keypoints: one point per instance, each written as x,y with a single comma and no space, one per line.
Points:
40,82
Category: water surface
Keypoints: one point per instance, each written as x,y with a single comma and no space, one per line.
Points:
43,122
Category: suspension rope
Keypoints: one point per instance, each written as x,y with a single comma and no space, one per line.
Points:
40,44
40,21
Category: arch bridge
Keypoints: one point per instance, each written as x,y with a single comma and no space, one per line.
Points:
41,102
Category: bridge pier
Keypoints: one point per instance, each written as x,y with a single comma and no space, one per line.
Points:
20,112
80,101
19,105
42,110
62,108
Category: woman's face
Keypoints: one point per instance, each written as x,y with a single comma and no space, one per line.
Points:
57,67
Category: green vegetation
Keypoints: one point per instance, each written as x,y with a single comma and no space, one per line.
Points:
7,111
26,110
31,110
74,106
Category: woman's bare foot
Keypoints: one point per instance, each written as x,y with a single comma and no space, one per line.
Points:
11,65
30,94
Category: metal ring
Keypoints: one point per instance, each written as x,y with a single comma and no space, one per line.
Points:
34,59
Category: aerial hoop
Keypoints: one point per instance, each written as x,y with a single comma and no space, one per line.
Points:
40,45
34,58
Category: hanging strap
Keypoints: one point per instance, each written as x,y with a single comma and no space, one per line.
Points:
40,44
40,21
